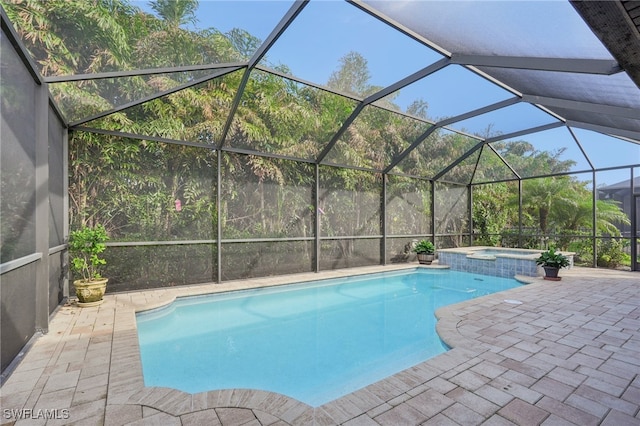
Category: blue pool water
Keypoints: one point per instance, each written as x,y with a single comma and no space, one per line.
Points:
313,341
493,252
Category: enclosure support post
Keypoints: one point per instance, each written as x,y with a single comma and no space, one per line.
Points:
470,212
634,224
218,222
383,212
42,207
594,213
317,215
520,213
65,204
433,211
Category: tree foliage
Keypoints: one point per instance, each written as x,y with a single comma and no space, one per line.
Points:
176,12
352,76
156,191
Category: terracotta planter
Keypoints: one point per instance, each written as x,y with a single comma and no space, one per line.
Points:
90,293
425,259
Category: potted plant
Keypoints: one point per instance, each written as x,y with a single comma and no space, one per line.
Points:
552,261
85,246
425,251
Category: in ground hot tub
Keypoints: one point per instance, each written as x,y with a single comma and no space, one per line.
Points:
496,261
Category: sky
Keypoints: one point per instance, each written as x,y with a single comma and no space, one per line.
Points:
327,30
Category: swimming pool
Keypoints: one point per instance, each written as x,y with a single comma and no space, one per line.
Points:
313,341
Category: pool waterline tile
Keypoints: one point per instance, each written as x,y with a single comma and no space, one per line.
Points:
283,314
496,261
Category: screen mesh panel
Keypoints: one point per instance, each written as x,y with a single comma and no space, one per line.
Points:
78,100
614,203
315,127
280,116
152,266
499,28
380,134
408,206
446,93
557,209
597,147
334,43
266,198
542,153
349,253
491,167
451,206
259,259
149,191
17,158
399,249
196,114
495,213
439,150
349,202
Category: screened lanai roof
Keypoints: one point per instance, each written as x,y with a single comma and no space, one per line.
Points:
563,76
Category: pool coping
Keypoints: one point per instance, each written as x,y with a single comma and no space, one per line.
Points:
567,354
177,403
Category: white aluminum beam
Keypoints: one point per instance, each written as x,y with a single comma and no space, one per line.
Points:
582,66
629,135
583,106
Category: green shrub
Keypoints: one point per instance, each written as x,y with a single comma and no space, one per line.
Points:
424,247
553,259
611,254
85,246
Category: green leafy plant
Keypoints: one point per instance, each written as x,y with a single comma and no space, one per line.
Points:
611,253
424,247
85,246
552,259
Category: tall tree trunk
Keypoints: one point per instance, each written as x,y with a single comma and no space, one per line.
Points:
544,217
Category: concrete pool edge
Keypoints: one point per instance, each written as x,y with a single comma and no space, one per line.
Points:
209,341
126,364
545,356
127,389
449,316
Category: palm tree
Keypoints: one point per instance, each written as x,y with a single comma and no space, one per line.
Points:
608,214
542,195
579,214
176,12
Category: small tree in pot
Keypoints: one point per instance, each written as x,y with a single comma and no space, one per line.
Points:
425,251
85,247
552,261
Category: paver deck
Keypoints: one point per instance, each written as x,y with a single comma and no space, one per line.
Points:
568,354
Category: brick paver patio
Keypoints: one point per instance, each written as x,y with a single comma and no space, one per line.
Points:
568,354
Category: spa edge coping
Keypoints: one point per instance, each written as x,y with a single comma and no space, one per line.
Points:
470,252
